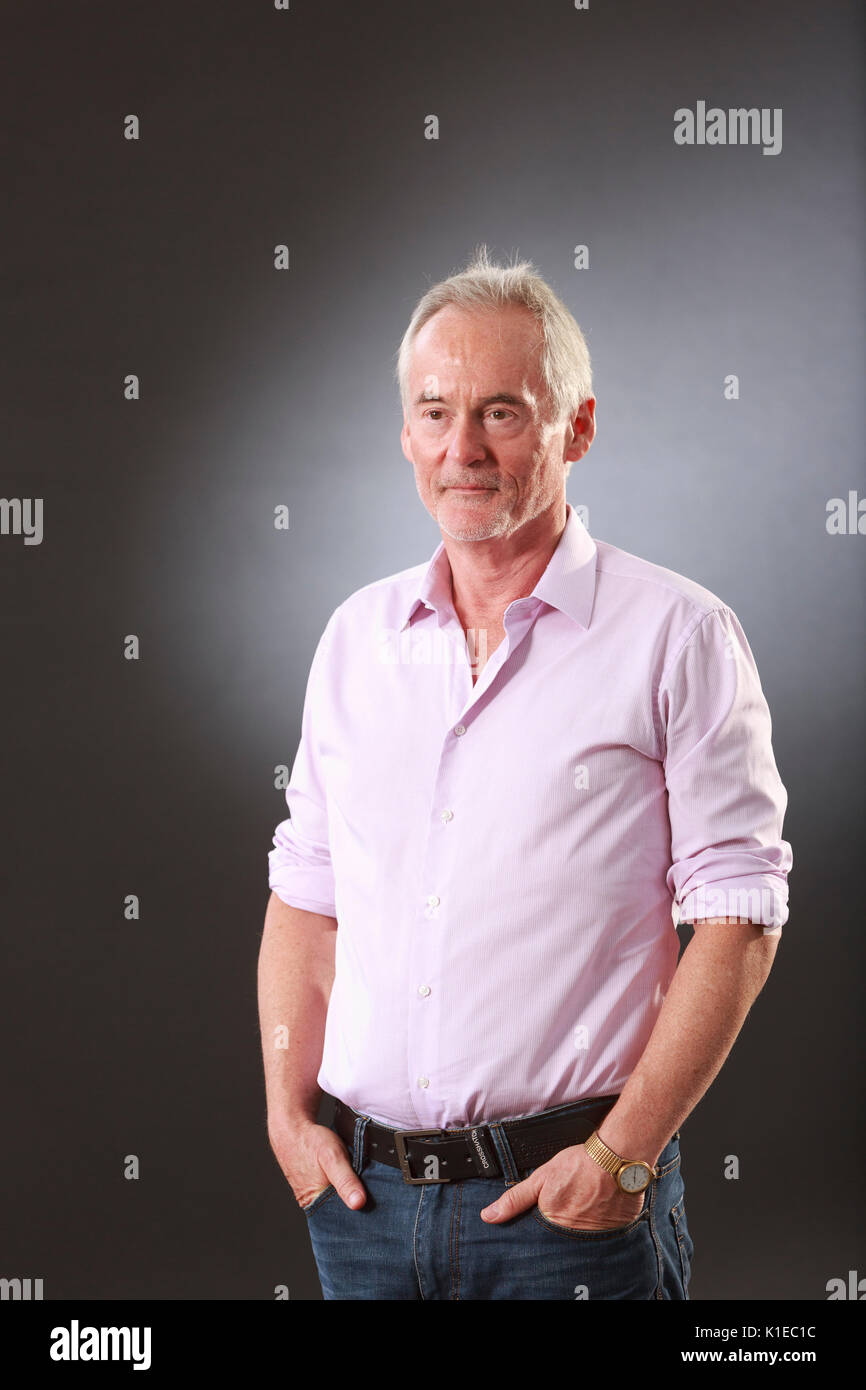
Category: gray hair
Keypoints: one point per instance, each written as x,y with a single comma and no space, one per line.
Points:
565,363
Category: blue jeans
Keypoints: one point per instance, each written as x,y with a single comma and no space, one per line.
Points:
429,1242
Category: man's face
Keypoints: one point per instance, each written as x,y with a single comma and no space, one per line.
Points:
487,457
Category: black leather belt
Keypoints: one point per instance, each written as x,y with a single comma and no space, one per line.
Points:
443,1155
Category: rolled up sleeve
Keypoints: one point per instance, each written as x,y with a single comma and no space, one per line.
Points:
300,870
726,800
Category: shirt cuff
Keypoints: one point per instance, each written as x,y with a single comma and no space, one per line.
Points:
298,882
759,898
306,904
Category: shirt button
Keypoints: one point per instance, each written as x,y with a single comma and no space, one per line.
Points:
460,729
447,815
433,901
423,1082
423,990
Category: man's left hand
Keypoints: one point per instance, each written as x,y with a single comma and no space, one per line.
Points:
571,1189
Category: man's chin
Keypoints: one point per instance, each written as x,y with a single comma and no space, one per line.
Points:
460,527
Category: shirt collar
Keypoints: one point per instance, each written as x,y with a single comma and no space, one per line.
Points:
568,582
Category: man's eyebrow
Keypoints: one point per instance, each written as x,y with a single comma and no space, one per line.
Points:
501,398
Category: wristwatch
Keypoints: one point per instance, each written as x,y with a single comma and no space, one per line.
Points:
632,1175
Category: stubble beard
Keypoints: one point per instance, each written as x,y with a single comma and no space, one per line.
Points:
493,519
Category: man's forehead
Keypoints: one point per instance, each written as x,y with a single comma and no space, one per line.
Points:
471,346
508,389
454,330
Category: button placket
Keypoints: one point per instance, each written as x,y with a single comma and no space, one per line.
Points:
428,1003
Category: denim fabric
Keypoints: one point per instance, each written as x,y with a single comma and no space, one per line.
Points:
429,1242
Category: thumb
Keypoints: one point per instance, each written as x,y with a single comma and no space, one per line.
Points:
349,1188
520,1197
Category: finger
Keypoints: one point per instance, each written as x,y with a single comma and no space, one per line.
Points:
514,1199
345,1180
308,1199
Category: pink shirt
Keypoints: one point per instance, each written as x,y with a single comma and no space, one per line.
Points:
507,860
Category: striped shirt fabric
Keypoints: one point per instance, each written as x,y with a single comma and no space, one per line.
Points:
507,859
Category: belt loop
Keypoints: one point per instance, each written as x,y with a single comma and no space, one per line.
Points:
361,1122
504,1153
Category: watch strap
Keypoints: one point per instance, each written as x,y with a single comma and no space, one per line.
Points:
612,1162
604,1157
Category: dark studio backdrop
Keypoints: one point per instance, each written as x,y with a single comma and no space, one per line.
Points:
167,386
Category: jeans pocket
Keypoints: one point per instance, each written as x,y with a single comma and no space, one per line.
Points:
319,1198
611,1232
684,1241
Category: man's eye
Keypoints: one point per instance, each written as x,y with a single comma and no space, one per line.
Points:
434,413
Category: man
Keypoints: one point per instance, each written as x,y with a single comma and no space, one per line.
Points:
519,764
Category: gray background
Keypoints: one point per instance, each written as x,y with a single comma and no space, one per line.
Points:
261,387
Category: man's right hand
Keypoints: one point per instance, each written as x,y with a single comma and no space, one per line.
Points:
312,1158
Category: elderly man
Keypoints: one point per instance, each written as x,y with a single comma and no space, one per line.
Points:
521,764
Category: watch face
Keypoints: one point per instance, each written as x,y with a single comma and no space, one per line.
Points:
634,1177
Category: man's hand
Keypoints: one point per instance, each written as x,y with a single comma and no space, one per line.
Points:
312,1157
571,1190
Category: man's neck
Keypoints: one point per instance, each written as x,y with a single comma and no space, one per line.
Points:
486,576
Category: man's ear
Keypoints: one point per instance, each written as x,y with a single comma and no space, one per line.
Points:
583,426
405,442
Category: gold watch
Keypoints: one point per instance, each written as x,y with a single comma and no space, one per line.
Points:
632,1175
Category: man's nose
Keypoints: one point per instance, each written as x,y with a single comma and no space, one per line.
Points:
466,444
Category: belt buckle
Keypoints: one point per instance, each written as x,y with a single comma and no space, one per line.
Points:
400,1137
